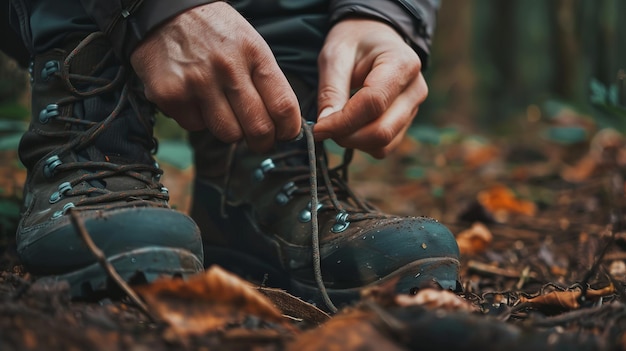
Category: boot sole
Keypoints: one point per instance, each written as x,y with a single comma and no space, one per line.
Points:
142,265
441,270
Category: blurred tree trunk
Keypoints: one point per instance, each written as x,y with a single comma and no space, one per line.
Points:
455,81
566,64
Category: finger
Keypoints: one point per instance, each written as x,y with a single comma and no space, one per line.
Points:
383,150
220,119
335,74
188,115
380,89
383,134
165,96
256,124
279,99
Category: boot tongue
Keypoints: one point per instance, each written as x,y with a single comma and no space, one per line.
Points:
126,138
299,159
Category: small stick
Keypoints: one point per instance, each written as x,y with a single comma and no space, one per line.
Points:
108,267
485,269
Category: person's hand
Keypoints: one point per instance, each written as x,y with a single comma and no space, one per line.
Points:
209,68
370,56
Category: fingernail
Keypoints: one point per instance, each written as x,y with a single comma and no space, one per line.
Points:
326,112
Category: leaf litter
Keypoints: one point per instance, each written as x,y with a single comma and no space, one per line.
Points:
543,267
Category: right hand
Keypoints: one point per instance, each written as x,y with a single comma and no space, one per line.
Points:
209,68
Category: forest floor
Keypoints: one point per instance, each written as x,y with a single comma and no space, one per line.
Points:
539,223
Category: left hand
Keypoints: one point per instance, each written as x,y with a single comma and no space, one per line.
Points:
373,57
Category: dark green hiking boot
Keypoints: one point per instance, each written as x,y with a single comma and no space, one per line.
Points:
255,214
88,150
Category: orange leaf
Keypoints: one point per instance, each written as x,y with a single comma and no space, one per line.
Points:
566,299
500,200
206,302
474,240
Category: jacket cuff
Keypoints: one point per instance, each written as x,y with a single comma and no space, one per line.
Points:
414,20
127,22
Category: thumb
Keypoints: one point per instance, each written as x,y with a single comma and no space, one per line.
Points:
335,73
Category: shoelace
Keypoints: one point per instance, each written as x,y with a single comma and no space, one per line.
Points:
334,183
88,131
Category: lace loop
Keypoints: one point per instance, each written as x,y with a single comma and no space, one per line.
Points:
74,155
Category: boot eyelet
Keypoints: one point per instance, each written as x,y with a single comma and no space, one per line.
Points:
48,113
305,214
52,163
342,222
165,190
49,69
58,195
31,67
60,213
285,195
157,176
266,166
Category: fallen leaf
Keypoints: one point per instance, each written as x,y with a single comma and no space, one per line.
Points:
500,201
477,154
350,330
567,300
431,298
605,151
206,302
474,240
294,307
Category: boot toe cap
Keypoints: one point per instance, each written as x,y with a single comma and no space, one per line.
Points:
57,247
413,250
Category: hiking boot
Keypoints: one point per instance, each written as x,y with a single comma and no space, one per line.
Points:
88,151
256,214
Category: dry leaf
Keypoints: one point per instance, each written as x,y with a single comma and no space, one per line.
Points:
431,298
206,302
581,171
501,201
294,307
567,300
476,154
351,330
607,149
474,240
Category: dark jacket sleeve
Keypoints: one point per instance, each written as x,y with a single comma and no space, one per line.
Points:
414,19
127,22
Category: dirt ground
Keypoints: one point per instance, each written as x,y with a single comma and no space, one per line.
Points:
540,226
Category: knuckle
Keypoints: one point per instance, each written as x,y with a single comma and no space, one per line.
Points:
413,66
223,131
230,135
283,107
383,136
378,102
259,129
164,92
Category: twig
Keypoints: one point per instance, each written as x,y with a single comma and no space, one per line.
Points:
108,267
523,277
617,192
569,317
485,269
619,288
